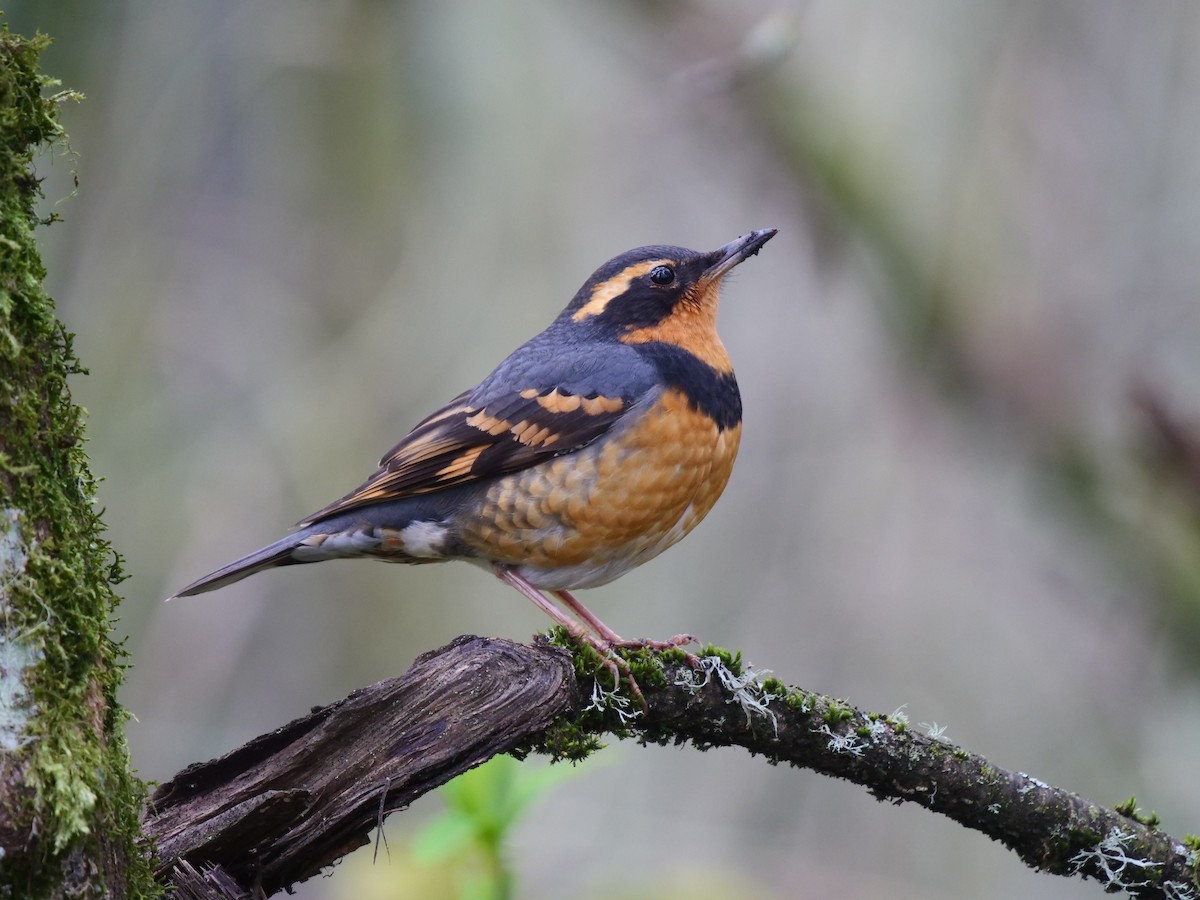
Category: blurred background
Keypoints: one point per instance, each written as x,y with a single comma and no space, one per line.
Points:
970,473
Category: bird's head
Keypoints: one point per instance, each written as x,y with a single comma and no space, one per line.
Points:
667,294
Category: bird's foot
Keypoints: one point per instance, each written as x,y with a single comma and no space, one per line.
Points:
614,663
620,669
676,643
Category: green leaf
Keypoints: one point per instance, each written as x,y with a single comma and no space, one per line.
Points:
448,835
536,780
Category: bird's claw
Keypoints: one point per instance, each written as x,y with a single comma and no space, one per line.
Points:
675,643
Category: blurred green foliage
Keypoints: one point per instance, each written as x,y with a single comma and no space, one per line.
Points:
482,807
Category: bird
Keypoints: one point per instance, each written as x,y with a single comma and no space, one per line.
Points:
591,449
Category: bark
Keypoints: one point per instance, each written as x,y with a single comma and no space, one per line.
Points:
280,808
289,803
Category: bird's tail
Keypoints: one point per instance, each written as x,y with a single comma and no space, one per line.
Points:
415,534
279,553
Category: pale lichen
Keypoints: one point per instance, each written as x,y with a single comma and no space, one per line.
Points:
18,649
1115,867
746,688
935,732
611,699
849,742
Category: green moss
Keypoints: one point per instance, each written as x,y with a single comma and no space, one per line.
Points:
1130,811
775,687
647,668
674,656
568,740
798,702
1126,809
837,713
1079,839
588,662
59,570
731,661
557,636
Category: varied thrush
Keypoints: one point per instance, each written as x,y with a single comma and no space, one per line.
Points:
591,449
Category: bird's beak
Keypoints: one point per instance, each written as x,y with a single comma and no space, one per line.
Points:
736,251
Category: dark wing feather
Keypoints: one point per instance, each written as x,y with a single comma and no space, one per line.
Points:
471,439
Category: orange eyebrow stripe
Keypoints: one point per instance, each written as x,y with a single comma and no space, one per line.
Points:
607,291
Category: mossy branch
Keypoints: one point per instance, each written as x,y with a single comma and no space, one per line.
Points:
289,803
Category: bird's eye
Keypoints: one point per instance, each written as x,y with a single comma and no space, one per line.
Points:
662,274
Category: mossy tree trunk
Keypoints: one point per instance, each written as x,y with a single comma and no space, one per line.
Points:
69,805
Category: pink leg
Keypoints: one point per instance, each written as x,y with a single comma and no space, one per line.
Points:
615,639
601,645
588,616
540,600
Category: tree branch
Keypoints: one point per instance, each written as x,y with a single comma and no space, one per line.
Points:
280,808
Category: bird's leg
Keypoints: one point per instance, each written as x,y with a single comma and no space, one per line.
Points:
616,640
540,600
601,644
680,640
588,616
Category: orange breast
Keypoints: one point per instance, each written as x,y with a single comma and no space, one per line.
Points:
586,518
